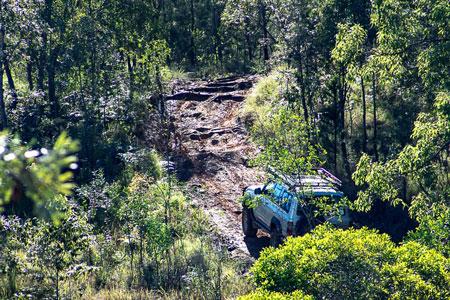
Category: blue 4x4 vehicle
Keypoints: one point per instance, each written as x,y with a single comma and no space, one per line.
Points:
278,212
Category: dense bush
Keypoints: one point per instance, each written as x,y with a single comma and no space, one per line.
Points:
266,295
353,264
266,96
434,232
137,232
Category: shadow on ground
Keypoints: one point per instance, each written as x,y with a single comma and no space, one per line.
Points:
256,244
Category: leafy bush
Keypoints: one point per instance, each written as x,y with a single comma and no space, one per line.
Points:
434,232
264,98
353,264
39,256
266,295
44,175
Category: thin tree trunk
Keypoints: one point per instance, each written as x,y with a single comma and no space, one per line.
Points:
343,133
12,86
214,25
41,64
336,125
364,115
131,81
57,284
141,258
30,67
193,57
3,116
51,84
301,83
375,121
263,16
131,257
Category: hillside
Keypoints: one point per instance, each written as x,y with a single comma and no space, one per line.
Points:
129,130
212,151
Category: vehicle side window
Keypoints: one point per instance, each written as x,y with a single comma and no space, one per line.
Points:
277,191
286,201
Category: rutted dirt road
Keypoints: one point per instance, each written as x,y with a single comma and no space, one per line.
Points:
212,150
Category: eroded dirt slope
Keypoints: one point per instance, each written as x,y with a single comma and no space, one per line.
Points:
212,150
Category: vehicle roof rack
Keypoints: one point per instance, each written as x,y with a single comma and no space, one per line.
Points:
324,179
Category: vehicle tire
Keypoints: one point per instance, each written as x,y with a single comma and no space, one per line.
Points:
275,236
247,223
302,227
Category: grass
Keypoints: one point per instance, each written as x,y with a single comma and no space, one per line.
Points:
202,271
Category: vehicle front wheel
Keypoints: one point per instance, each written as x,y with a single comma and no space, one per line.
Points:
275,236
247,223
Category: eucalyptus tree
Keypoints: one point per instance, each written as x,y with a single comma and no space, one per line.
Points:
19,23
413,45
254,18
346,56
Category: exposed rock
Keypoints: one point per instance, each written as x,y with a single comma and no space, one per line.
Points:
213,153
189,96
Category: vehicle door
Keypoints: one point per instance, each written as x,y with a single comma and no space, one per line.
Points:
282,211
267,208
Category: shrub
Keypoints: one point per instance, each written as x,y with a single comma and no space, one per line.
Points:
265,97
266,295
353,264
434,232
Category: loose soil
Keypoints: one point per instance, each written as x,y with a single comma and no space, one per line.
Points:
211,151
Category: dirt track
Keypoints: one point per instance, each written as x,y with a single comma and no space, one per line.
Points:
212,151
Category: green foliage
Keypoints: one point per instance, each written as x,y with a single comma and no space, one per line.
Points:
41,175
286,145
433,231
140,235
421,164
40,255
266,97
283,134
266,295
352,264
349,45
98,71
143,161
414,32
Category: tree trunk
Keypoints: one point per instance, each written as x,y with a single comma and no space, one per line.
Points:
193,56
12,86
335,131
216,47
57,284
364,114
41,63
263,21
248,39
131,260
3,116
343,133
131,81
141,258
51,84
375,129
301,83
30,67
